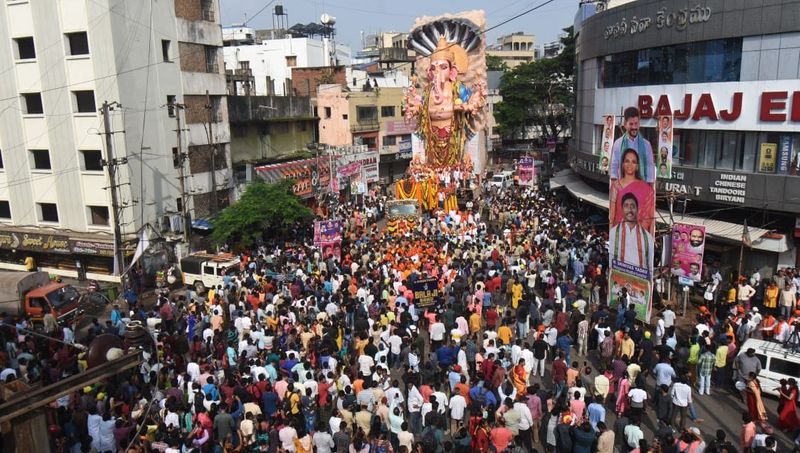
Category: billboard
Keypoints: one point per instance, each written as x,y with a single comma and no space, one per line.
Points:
664,156
607,140
631,215
688,246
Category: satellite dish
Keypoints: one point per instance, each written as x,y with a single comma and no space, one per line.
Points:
327,19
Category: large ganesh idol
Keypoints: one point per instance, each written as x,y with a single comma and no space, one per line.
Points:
447,98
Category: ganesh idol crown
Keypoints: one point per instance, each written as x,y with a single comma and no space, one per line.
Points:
447,96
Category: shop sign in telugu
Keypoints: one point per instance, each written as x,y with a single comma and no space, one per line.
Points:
679,20
51,243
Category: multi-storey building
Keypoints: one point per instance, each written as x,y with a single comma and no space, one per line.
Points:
64,60
728,73
514,49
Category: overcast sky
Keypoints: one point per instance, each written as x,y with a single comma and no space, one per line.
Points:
371,16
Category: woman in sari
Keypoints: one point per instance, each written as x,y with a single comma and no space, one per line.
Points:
755,406
630,181
623,403
519,377
787,417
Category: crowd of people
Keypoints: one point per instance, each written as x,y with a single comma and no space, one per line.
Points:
299,352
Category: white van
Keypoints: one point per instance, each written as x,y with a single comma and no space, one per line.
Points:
777,362
502,180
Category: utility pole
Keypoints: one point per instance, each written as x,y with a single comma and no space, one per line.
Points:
181,177
214,201
111,164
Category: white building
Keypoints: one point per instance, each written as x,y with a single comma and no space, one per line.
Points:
62,61
271,61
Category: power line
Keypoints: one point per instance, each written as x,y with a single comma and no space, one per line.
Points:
258,12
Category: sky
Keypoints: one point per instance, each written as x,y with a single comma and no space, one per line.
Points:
372,16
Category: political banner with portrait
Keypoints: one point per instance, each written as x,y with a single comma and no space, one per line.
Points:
631,214
664,157
328,238
635,290
688,245
526,171
606,142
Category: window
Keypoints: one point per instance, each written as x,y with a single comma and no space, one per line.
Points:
83,101
98,215
730,150
40,159
245,65
367,114
176,158
216,109
5,209
785,367
327,112
24,48
211,60
207,7
371,142
32,103
171,105
1,160
389,140
291,61
77,43
92,160
698,62
48,212
344,116
165,45
209,270
387,110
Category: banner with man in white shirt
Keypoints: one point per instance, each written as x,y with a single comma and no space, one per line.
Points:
632,223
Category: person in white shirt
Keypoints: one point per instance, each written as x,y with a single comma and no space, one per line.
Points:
437,332
669,317
323,442
365,364
457,406
681,394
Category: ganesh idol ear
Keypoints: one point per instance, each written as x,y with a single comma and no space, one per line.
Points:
453,73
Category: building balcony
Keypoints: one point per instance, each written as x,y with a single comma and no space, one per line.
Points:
365,126
254,109
391,54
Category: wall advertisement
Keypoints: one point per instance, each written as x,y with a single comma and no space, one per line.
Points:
606,142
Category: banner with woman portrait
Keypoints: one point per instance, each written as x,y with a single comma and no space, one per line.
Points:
606,141
664,158
631,216
688,246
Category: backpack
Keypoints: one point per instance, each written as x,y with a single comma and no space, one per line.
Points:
429,442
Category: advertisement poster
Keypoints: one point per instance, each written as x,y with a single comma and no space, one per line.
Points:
328,237
784,155
631,217
664,158
606,142
688,245
426,292
638,292
526,171
767,157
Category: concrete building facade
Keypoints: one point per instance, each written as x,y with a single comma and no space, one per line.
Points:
65,59
514,49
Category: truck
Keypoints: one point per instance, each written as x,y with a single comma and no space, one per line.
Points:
33,294
205,270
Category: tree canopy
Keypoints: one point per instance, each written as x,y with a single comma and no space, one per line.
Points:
495,63
264,209
539,94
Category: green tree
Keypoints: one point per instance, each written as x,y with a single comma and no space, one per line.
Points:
539,94
263,210
495,63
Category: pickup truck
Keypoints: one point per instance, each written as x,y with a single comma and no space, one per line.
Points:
32,295
204,271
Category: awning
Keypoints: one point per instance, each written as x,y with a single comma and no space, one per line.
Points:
717,229
298,170
201,224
